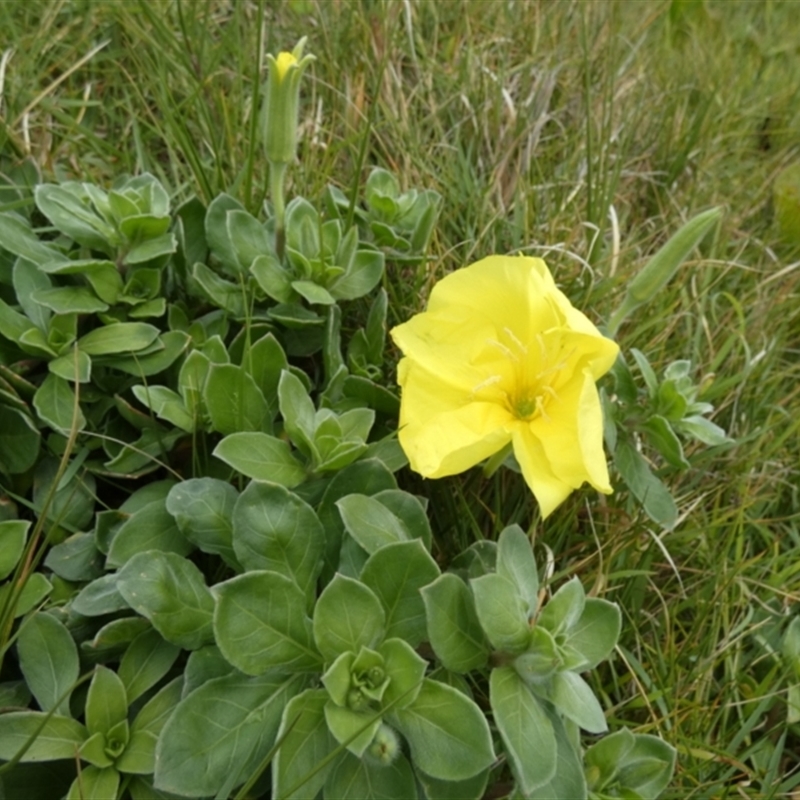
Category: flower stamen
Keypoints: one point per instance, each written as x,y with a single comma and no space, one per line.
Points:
490,381
503,349
522,348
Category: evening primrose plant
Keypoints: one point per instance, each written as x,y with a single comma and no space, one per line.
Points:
213,582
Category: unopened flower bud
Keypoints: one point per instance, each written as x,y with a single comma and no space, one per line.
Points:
385,747
282,102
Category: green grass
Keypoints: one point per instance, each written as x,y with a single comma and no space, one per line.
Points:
532,119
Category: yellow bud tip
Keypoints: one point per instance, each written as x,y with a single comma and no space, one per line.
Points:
283,62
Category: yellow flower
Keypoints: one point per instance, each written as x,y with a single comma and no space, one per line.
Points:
501,357
283,62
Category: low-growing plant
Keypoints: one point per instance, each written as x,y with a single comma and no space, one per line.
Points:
269,597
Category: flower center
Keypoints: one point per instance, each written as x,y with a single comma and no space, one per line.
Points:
527,407
523,386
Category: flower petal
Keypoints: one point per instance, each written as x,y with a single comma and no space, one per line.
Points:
571,434
549,490
441,431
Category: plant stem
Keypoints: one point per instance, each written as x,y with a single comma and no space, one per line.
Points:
277,175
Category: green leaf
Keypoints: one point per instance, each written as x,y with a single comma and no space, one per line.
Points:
165,404
362,277
248,236
73,502
264,362
19,444
27,278
13,325
571,695
68,207
106,703
447,733
221,732
358,778
515,562
18,238
33,341
48,658
102,275
649,767
36,588
156,712
568,780
192,381
152,248
217,234
479,559
409,510
541,659
455,632
370,523
114,637
396,573
347,617
595,634
671,401
502,613
13,534
275,280
150,528
313,293
372,394
146,662
297,411
14,693
121,337
524,727
261,457
305,743
225,295
636,763
70,300
175,343
139,756
202,508
354,729
473,788
148,309
56,404
234,402
663,439
645,486
703,430
171,592
73,366
99,597
564,609
649,375
365,477
275,530
203,665
405,669
141,788
260,623
53,738
94,783
387,451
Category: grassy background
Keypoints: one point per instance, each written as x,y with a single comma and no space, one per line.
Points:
586,132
